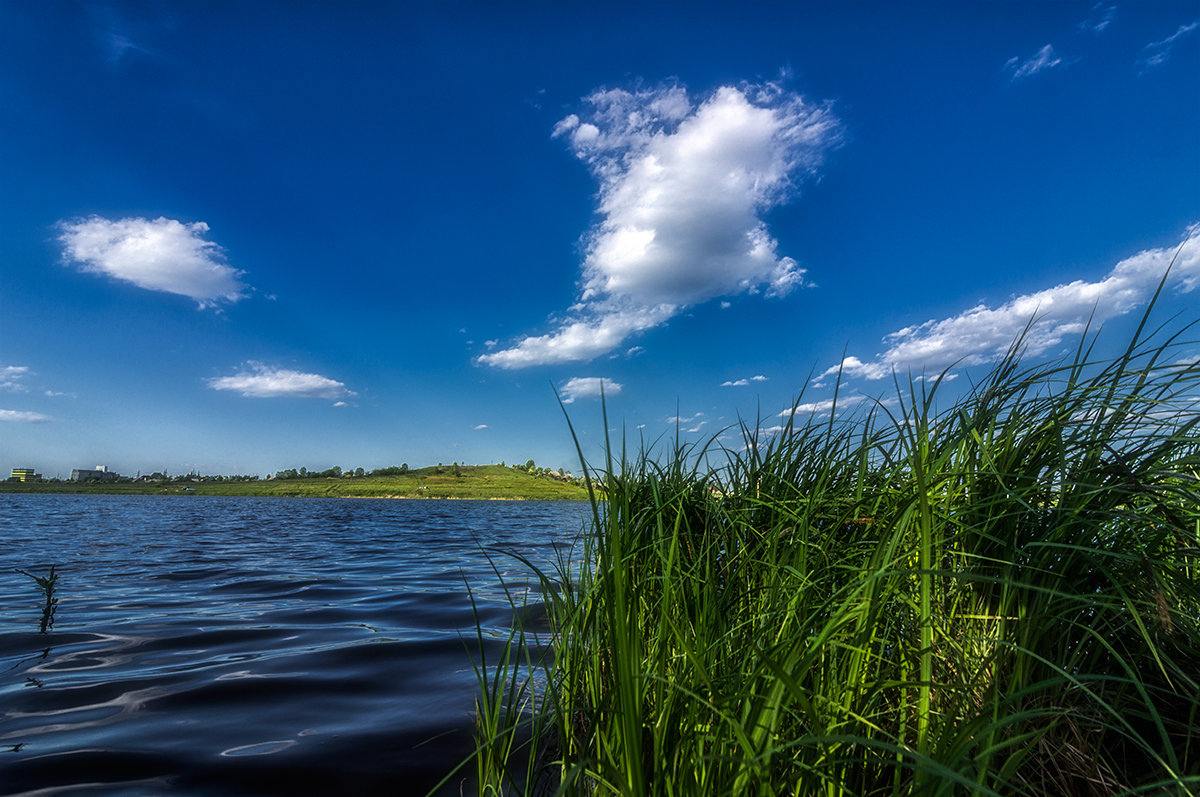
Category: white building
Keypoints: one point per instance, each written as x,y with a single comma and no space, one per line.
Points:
100,474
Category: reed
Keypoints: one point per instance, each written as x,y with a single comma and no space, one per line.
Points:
46,585
998,597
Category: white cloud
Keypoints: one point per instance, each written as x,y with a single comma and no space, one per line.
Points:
693,424
1158,52
1043,59
480,426
158,255
579,340
1101,18
588,387
19,416
11,376
983,334
825,405
122,35
682,190
681,420
744,381
261,381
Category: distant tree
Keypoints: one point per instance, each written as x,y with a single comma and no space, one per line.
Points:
303,473
359,472
390,471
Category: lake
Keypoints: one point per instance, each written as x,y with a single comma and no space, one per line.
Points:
240,646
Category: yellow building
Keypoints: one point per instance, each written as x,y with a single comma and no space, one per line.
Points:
23,474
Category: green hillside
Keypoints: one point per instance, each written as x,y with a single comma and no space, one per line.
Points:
465,481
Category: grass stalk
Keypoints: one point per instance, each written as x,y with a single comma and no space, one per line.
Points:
999,597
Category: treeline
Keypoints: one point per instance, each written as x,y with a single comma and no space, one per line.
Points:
532,469
337,473
454,469
193,477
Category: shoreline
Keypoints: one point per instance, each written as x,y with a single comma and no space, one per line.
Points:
481,482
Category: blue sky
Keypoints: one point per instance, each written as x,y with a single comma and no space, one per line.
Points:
241,237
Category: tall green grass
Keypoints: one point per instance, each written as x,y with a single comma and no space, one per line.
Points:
1001,596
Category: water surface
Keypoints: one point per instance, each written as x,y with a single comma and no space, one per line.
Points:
220,645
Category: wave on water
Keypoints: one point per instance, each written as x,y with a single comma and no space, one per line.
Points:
241,646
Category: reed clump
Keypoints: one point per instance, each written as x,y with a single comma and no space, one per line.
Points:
999,597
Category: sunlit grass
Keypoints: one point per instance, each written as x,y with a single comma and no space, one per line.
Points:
996,597
480,482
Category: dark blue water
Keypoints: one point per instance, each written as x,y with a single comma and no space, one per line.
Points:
241,646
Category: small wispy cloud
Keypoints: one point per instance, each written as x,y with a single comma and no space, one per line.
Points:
744,381
824,405
1101,17
1041,61
122,35
1157,53
11,378
480,426
691,424
683,188
20,416
156,254
681,419
983,334
257,380
588,387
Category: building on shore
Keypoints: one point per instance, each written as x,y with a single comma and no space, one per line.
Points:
24,474
100,474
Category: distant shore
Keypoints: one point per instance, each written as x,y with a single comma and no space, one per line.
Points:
478,482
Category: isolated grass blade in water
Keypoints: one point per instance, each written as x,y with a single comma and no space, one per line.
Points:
46,585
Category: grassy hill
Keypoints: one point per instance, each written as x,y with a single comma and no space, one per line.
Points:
472,481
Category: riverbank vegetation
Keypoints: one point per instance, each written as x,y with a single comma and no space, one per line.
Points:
996,597
437,481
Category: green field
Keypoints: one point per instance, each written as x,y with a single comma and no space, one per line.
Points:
488,482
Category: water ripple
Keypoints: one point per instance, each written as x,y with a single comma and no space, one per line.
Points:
241,646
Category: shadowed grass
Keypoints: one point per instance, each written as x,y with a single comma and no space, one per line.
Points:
46,585
1001,597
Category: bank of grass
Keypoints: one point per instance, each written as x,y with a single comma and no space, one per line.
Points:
471,482
999,597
